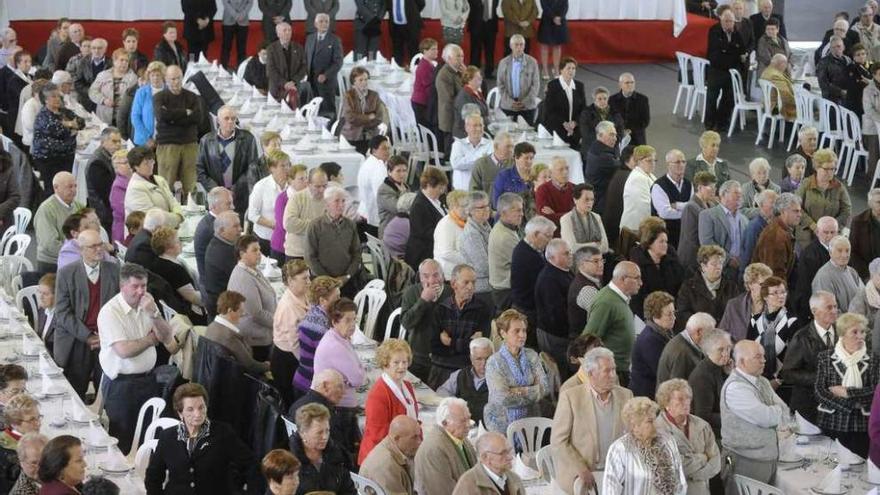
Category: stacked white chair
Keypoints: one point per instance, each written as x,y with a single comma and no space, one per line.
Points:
805,105
699,66
775,120
370,298
741,104
493,99
150,412
528,433
394,316
17,245
685,85
851,148
22,218
830,123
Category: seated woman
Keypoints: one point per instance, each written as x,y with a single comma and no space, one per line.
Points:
45,314
219,447
362,110
396,233
30,449
261,205
255,72
324,466
22,416
13,379
147,190
224,331
448,230
281,470
260,302
582,226
390,191
117,194
166,245
62,466
322,293
471,93
700,457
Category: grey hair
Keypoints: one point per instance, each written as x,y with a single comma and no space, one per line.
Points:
47,90
443,409
701,320
108,131
592,357
507,201
585,253
539,224
759,164
835,38
469,109
334,191
430,261
816,298
154,218
625,74
673,153
779,57
874,266
600,89
131,270
456,272
554,247
874,194
227,108
449,49
501,137
215,195
516,38
765,195
485,440
839,239
604,127
784,202
621,269
29,441
807,129
476,197
321,15
480,343
729,186
327,375
842,23
791,160
225,220
714,339
405,201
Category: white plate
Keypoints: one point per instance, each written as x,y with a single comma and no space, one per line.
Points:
55,373
797,458
105,442
82,420
842,491
54,391
114,469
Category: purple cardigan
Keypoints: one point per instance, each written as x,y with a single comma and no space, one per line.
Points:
278,233
874,429
423,82
117,205
338,353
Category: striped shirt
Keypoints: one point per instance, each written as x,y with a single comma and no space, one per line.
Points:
311,329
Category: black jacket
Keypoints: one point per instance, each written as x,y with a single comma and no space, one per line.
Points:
833,75
177,117
412,9
724,55
197,9
636,114
163,53
220,260
601,163
99,178
706,381
140,251
551,292
577,316
759,24
667,276
423,217
12,92
556,108
203,235
812,257
333,475
460,324
255,74
526,264
588,120
612,207
209,165
475,22
799,370
849,41
219,463
694,297
10,196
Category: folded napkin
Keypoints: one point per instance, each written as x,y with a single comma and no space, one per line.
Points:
286,133
275,123
255,93
344,144
523,471
873,473
191,202
805,427
325,134
246,108
235,79
214,65
522,138
234,100
261,115
383,128
394,64
271,101
349,58
313,126
95,436
831,483
846,456
128,144
543,133
380,59
46,384
406,86
557,141
521,122
46,366
202,59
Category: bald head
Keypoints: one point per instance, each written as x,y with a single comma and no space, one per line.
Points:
406,433
779,61
64,186
749,357
174,79
495,453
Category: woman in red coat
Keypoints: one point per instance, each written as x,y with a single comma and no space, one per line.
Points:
391,396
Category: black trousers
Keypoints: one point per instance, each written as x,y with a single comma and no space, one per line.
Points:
717,117
240,33
83,368
196,47
483,44
528,114
48,167
283,366
405,42
327,91
123,398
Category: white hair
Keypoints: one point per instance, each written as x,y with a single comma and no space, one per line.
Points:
449,50
700,320
225,220
480,343
443,409
334,191
516,38
759,164
539,224
604,127
818,296
840,239
554,247
592,357
215,195
153,219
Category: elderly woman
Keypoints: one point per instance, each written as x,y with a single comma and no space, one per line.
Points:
448,230
396,233
845,381
260,302
708,160
706,291
292,308
22,415
173,466
709,376
563,103
471,93
643,461
147,190
823,196
335,351
637,188
117,194
425,212
166,245
581,226
596,112
867,304
700,457
769,44
62,467
324,466
514,375
29,450
836,276
392,395
281,470
808,142
473,243
55,131
391,189
659,323
658,263
109,86
741,309
322,293
453,15
362,110
794,173
29,110
13,379
423,83
143,121
773,327
759,172
261,204
225,331
294,185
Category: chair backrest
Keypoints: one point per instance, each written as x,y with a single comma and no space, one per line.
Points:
365,486
121,249
17,245
167,311
493,99
158,425
334,127
699,71
401,332
430,139
546,467
22,217
242,67
528,433
395,315
852,126
28,295
142,457
738,96
372,299
7,234
150,412
289,425
10,266
380,255
414,63
748,486
829,115
15,285
684,60
767,90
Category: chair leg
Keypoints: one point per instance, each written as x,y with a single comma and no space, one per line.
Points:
736,115
772,134
693,105
677,98
703,115
760,131
794,131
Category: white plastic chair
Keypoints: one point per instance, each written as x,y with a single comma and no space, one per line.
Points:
289,425
28,295
528,433
10,266
414,63
430,140
851,147
830,124
373,295
7,234
158,425
365,486
242,66
685,86
142,457
741,105
767,90
380,256
698,66
120,250
150,412
401,334
167,311
748,486
805,103
22,218
546,466
334,127
15,285
395,315
17,245
493,99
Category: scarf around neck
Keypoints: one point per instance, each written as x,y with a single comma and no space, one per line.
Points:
521,372
852,378
457,219
585,229
872,296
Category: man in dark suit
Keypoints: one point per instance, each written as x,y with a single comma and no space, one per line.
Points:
811,258
285,64
765,13
220,258
324,60
219,200
139,250
81,289
100,176
634,108
482,25
405,22
88,70
69,48
274,12
198,24
612,210
726,51
601,161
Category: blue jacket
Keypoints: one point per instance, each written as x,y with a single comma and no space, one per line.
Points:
142,120
645,358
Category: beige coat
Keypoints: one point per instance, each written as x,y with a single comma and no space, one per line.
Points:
477,482
700,458
142,195
516,11
301,209
574,434
438,463
387,466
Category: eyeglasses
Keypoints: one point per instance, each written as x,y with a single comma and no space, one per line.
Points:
35,419
829,169
503,453
598,261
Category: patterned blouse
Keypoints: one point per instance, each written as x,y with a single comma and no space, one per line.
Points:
51,138
25,486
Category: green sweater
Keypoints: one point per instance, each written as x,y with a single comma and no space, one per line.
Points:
612,321
47,225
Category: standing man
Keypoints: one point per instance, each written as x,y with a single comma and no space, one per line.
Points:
589,265
503,239
220,259
448,83
71,47
236,18
670,193
88,70
519,18
332,245
487,167
526,264
219,200
482,25
81,290
519,81
494,471
551,291
8,43
274,12
602,162
764,14
303,207
198,24
810,260
724,225
633,107
405,20
726,51
285,64
50,217
682,354
832,72
178,112
100,176
324,60
775,247
130,326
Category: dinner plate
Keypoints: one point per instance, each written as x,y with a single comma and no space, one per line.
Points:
104,443
793,460
111,469
51,374
82,420
54,391
842,491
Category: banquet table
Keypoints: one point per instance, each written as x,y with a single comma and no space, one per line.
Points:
802,58
820,458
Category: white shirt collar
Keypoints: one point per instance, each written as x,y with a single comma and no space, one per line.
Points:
566,86
226,323
498,480
619,292
403,395
90,269
62,201
752,379
823,331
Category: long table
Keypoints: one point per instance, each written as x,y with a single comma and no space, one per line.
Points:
820,458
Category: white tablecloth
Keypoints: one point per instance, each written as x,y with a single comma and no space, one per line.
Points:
673,10
821,458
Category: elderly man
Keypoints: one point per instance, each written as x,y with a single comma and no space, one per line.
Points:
220,259
486,168
503,239
550,294
554,198
71,47
50,217
286,65
724,225
468,150
864,235
703,198
64,81
8,42
470,383
332,245
587,421
518,178
670,193
751,414
589,268
303,207
219,199
327,389
802,354
448,83
601,162
226,157
78,222
493,474
446,453
140,250
88,69
868,31
633,107
29,450
683,353
777,73
726,50
526,262
419,305
518,81
81,290
836,276
810,260
761,217
764,14
775,247
832,72
130,326
371,175
324,61
611,318
178,113
85,51
841,29
100,175
390,463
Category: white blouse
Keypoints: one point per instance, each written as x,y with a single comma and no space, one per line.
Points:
405,398
627,473
569,93
262,204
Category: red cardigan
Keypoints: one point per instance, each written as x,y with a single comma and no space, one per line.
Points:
56,487
382,406
559,200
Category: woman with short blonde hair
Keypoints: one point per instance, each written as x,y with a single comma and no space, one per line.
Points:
823,195
446,247
708,160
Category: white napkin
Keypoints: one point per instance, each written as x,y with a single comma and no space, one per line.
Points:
380,59
831,483
261,115
522,138
325,134
873,492
236,81
234,100
245,108
521,122
787,447
360,338
873,473
846,456
523,471
406,86
286,133
624,141
344,144
805,427
383,128
557,141
349,58
214,65
255,93
313,126
46,366
94,436
46,384
190,202
271,101
543,133
394,65
275,123
202,59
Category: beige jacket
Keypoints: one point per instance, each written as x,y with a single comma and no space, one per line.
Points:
700,458
142,195
301,209
387,466
439,464
574,435
477,482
